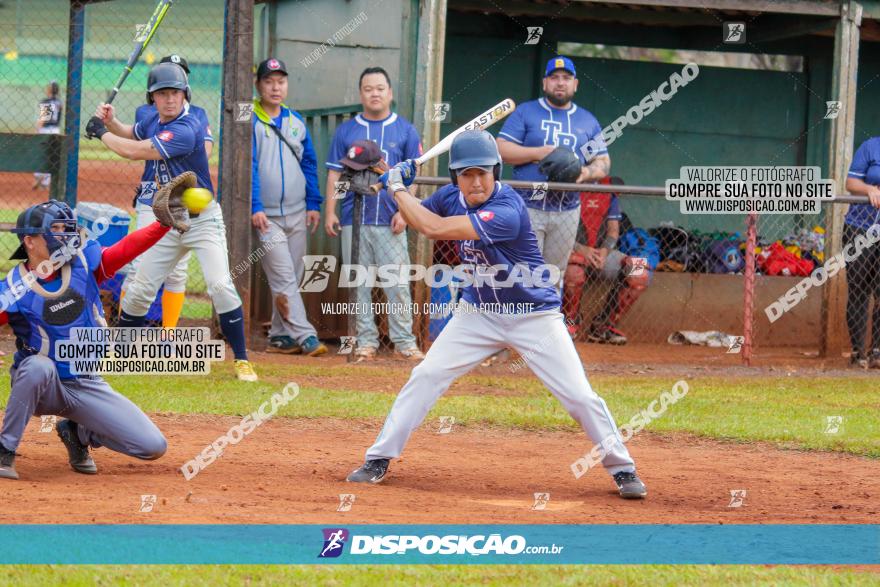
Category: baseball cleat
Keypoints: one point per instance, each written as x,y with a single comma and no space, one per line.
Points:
413,354
77,452
367,353
858,359
7,464
629,485
284,345
874,359
244,370
607,335
313,347
372,472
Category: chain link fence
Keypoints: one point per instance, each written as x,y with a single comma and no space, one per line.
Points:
34,43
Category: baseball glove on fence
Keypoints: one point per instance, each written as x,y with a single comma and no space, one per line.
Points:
168,208
359,181
561,165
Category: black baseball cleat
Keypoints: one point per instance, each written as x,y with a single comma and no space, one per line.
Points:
606,335
7,464
77,453
630,486
372,472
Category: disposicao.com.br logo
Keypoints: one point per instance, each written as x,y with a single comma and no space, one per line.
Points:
456,544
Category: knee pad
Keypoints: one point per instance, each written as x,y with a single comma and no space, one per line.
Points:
575,276
638,282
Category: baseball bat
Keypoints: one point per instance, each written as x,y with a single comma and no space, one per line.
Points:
481,122
139,46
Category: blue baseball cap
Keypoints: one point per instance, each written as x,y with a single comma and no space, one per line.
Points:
560,62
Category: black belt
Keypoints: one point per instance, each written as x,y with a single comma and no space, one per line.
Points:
194,215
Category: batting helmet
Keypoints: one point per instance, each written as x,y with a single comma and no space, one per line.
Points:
38,219
474,148
561,165
167,75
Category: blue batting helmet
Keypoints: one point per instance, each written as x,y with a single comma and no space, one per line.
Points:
38,219
474,148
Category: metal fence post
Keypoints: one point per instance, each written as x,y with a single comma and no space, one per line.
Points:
73,101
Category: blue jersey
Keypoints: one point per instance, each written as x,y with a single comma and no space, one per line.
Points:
538,124
39,322
181,142
506,250
866,167
398,140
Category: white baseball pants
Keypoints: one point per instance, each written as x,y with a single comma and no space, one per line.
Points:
469,337
207,238
176,280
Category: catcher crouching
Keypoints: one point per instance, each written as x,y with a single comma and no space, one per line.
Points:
54,289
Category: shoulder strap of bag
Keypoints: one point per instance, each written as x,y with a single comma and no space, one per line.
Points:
284,140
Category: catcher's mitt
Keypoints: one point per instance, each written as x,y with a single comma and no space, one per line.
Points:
360,181
561,165
168,208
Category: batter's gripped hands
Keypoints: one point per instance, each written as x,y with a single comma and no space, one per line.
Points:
398,224
313,219
331,224
260,222
105,112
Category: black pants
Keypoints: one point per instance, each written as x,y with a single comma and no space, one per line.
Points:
863,281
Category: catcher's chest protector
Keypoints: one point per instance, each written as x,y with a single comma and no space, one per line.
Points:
594,209
51,318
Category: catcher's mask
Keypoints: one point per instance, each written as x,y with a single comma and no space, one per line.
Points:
38,219
474,148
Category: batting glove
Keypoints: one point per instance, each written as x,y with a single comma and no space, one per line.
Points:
96,128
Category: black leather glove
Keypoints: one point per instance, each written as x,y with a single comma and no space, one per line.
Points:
96,128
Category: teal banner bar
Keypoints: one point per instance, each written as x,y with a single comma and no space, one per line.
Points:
441,544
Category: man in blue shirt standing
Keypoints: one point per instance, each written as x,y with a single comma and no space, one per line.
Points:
863,272
531,133
383,230
285,203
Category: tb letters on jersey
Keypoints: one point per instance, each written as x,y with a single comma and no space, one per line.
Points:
553,135
476,258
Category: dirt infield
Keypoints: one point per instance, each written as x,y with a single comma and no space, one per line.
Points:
291,471
110,182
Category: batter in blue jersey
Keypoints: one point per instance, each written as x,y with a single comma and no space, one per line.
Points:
531,133
174,288
493,231
174,139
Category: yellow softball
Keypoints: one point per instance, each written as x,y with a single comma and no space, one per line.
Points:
196,199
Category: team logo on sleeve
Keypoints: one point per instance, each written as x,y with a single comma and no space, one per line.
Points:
486,215
165,136
334,541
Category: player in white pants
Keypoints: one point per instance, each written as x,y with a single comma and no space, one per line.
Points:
175,284
496,240
175,140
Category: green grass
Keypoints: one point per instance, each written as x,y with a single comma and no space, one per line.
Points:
448,575
789,413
